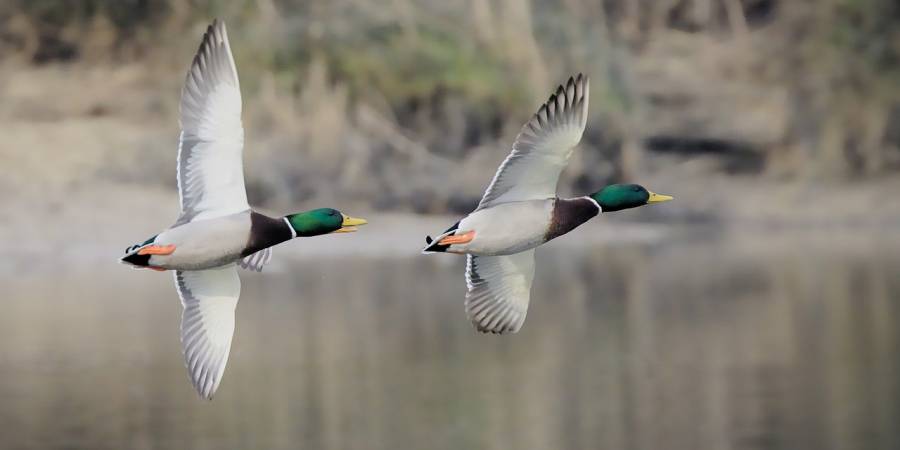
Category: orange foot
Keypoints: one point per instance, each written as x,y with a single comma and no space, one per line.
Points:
156,268
157,250
458,239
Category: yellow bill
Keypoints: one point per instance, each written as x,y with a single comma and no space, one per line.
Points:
658,198
350,223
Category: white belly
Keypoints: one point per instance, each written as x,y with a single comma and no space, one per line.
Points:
204,244
506,228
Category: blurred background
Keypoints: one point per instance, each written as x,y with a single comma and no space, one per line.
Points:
757,311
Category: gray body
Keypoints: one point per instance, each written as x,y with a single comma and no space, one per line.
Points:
513,227
204,244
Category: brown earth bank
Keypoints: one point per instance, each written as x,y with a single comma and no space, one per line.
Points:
750,108
117,133
752,113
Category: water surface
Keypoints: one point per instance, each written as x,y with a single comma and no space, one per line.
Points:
703,342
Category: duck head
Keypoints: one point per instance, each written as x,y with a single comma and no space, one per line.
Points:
617,197
323,221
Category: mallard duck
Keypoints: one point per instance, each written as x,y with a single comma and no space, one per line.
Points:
520,211
216,230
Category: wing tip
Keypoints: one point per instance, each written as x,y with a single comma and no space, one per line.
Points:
210,392
207,383
568,102
505,330
216,29
219,31
203,393
216,35
579,86
487,318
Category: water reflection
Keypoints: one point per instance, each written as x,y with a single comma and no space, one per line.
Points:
683,346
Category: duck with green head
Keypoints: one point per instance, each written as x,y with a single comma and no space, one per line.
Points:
217,231
520,211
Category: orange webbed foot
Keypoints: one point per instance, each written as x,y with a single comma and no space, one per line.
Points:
157,250
458,239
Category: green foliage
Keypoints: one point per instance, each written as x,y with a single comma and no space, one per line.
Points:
402,67
125,15
866,32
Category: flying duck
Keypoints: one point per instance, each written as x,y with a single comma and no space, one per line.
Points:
520,210
217,231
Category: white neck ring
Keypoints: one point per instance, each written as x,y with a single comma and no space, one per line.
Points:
599,208
290,227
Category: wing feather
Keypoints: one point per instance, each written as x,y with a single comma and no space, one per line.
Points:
209,298
499,288
210,166
257,260
543,147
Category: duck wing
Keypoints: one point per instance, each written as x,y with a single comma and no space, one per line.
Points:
543,147
256,261
499,288
210,166
209,298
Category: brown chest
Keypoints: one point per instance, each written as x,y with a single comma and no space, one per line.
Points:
568,214
265,232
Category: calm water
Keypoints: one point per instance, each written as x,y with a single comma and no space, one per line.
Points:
705,343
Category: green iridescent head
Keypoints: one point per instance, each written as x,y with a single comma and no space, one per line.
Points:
322,221
617,197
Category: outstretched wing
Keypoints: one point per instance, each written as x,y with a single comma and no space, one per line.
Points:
209,298
210,166
499,288
543,147
257,260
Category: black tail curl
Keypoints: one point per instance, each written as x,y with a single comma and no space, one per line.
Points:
134,258
434,246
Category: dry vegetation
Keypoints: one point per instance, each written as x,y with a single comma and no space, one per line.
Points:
410,105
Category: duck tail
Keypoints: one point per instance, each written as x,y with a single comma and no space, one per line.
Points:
433,245
133,258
